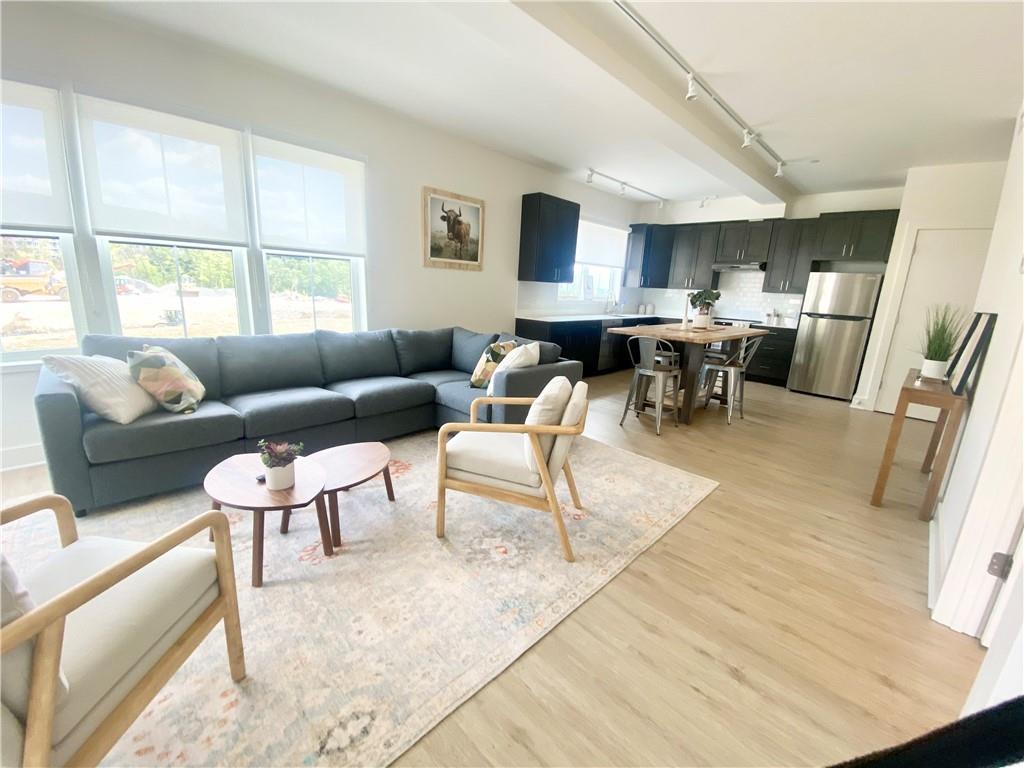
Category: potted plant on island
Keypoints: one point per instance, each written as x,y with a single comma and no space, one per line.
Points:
279,459
703,301
944,324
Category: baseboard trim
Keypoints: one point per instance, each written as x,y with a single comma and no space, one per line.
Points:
21,456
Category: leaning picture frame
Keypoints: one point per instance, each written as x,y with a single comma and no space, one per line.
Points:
453,230
965,367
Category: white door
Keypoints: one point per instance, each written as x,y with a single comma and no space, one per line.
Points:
945,268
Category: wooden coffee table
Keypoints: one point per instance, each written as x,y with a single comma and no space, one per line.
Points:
232,483
347,466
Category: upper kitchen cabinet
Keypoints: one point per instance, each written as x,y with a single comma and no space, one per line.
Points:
648,256
794,246
547,238
856,236
744,242
693,252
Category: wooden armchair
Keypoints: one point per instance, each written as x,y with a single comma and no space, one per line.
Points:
490,460
99,628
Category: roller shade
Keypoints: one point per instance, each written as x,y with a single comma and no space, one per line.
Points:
154,174
34,185
309,199
600,245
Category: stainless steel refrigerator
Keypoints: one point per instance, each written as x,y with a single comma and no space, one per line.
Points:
833,331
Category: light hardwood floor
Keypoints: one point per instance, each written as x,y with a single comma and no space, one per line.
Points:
782,622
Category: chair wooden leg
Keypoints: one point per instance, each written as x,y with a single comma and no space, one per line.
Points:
442,474
549,490
440,509
571,482
629,398
232,624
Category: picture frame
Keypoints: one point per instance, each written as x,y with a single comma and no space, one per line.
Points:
965,367
453,230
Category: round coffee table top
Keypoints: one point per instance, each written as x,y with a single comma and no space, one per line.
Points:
232,483
349,465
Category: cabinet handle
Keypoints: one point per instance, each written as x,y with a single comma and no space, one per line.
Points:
844,251
737,254
743,253
851,249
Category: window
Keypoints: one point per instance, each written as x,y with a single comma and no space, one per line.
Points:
174,290
35,303
309,292
600,257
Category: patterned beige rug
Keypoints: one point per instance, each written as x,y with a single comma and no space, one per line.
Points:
353,658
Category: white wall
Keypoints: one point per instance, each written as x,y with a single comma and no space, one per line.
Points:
935,197
52,44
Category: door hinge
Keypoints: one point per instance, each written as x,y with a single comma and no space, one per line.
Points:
1000,565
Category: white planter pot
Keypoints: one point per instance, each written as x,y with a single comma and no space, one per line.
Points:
934,369
280,478
702,321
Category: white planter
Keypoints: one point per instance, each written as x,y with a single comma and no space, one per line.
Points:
934,369
702,321
280,478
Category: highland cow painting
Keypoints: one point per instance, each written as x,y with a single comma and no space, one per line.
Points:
453,230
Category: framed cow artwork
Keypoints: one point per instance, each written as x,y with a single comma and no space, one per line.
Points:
453,230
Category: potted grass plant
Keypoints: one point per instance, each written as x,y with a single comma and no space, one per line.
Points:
944,324
279,459
703,301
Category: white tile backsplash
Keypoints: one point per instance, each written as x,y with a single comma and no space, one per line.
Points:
742,298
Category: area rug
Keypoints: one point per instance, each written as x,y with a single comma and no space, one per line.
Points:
352,658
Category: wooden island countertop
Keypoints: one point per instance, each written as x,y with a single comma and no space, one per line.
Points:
688,335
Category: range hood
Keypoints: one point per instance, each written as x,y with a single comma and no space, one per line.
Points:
748,267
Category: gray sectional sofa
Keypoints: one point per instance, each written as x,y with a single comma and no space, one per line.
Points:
321,388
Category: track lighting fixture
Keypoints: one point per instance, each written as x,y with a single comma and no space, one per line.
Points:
661,203
748,138
778,170
623,185
622,188
590,176
691,87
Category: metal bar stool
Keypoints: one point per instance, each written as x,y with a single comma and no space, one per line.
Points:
653,360
735,372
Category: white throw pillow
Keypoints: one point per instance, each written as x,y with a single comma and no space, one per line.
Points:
523,356
547,409
105,385
16,675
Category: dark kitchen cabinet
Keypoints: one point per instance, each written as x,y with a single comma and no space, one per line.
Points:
774,356
794,245
693,252
547,238
579,339
648,256
744,242
856,236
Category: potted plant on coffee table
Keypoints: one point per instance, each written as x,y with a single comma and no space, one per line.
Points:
944,324
279,459
703,301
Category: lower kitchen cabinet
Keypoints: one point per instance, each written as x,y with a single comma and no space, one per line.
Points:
770,364
579,339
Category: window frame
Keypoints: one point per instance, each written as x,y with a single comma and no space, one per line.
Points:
66,243
243,303
356,272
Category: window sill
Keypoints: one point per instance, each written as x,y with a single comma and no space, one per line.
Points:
20,366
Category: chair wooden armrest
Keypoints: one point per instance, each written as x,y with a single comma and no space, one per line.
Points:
61,509
32,623
499,400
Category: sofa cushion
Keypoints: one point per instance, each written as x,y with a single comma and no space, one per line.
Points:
468,346
376,395
549,351
437,378
356,355
423,350
112,633
260,363
285,410
459,395
498,455
211,423
199,354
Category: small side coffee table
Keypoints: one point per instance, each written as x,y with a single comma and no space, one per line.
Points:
232,483
347,466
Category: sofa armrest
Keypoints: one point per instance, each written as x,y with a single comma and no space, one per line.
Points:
60,426
528,382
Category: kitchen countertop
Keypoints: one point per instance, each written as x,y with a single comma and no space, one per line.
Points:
581,318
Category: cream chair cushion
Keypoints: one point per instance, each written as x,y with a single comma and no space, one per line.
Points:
16,672
113,640
491,454
547,410
570,418
12,738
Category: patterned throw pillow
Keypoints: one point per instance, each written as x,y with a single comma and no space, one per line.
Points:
489,360
166,378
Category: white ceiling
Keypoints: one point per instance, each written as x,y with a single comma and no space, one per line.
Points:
867,89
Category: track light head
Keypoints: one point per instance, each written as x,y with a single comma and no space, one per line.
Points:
778,170
691,87
748,139
590,176
661,203
622,188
